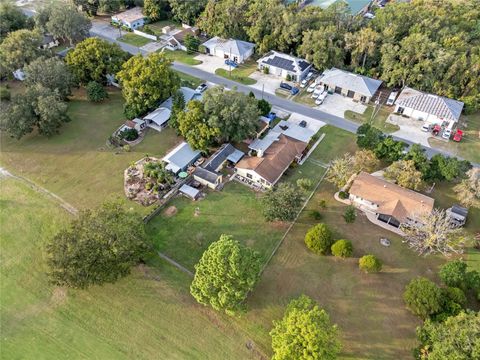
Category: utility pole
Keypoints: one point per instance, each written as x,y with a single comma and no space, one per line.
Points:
230,62
263,88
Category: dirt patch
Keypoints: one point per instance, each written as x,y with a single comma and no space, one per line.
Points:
170,211
59,296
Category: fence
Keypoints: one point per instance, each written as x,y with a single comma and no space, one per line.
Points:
145,35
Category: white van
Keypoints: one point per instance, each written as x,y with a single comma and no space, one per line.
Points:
391,98
318,91
321,98
447,132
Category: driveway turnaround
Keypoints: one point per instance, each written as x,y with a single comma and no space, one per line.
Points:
267,83
210,63
337,105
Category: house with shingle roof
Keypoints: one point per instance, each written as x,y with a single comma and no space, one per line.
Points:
284,65
132,18
355,86
390,203
236,50
427,107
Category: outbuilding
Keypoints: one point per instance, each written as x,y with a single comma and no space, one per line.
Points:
190,192
180,158
158,118
211,179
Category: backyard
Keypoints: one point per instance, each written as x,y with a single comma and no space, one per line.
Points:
134,39
241,73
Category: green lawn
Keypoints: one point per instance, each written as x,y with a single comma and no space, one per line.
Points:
469,147
76,164
304,98
147,315
241,73
183,57
158,25
188,80
379,121
134,39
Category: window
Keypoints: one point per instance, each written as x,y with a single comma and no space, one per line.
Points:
249,176
363,99
401,110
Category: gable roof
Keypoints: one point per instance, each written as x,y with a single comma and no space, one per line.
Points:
391,199
130,15
439,106
234,46
188,94
159,116
180,157
207,175
294,131
347,80
276,159
220,156
284,61
180,36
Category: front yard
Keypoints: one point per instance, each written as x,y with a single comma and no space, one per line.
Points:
379,121
241,73
182,56
134,39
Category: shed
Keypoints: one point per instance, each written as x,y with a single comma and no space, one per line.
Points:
207,178
180,158
189,192
158,118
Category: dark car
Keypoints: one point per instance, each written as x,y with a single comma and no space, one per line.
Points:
231,63
285,86
303,124
294,90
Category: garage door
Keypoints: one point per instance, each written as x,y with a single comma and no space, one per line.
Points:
350,93
338,90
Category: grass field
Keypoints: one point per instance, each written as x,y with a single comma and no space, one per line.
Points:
379,121
183,57
147,315
240,74
76,164
134,39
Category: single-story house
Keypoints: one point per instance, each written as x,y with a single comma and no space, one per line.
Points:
272,159
189,191
188,95
357,87
283,65
293,131
176,41
48,42
428,107
211,179
390,203
132,18
180,158
236,50
158,118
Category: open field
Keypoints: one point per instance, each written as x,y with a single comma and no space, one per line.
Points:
469,147
182,56
241,73
134,39
147,315
76,164
379,121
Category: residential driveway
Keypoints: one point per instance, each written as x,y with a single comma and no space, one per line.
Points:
153,46
267,83
105,30
312,124
210,63
409,129
336,104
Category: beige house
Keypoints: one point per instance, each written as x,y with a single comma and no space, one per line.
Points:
390,203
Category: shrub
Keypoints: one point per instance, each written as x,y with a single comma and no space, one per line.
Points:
266,70
288,77
370,264
147,30
148,186
319,239
343,195
96,92
454,273
322,203
342,248
423,297
4,93
316,215
263,106
304,184
126,148
129,134
350,214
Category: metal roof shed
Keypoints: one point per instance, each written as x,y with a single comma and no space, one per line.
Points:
189,191
181,157
235,157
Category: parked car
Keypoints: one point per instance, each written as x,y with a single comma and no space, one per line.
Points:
458,135
391,98
446,134
272,116
309,76
436,130
231,63
321,98
311,88
294,90
304,83
318,91
201,88
285,86
302,124
426,127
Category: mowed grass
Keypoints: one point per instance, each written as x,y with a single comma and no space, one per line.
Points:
379,121
147,315
182,56
134,39
76,164
241,73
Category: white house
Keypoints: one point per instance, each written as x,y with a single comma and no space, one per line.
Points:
355,86
132,18
158,118
285,65
236,50
428,107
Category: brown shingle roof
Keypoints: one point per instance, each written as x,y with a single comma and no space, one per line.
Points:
276,159
391,199
180,36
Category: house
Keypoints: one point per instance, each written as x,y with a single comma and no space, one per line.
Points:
293,131
48,42
273,155
358,87
389,203
158,118
208,174
284,65
428,107
236,50
132,18
355,6
188,95
176,41
190,192
180,158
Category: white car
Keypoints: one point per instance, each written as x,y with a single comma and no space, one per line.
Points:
309,76
321,98
201,88
426,127
318,91
304,83
391,98
446,134
311,88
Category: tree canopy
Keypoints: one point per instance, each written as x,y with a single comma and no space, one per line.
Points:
11,19
156,10
423,297
404,173
99,246
282,203
146,82
468,190
319,239
18,49
305,332
187,11
225,275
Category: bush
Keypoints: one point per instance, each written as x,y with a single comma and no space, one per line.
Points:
148,186
370,264
288,77
126,148
4,93
343,195
129,134
342,248
319,239
147,30
266,70
304,184
423,297
316,215
454,274
322,203
96,92
263,106
350,214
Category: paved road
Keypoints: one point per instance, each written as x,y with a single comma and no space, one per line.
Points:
288,105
